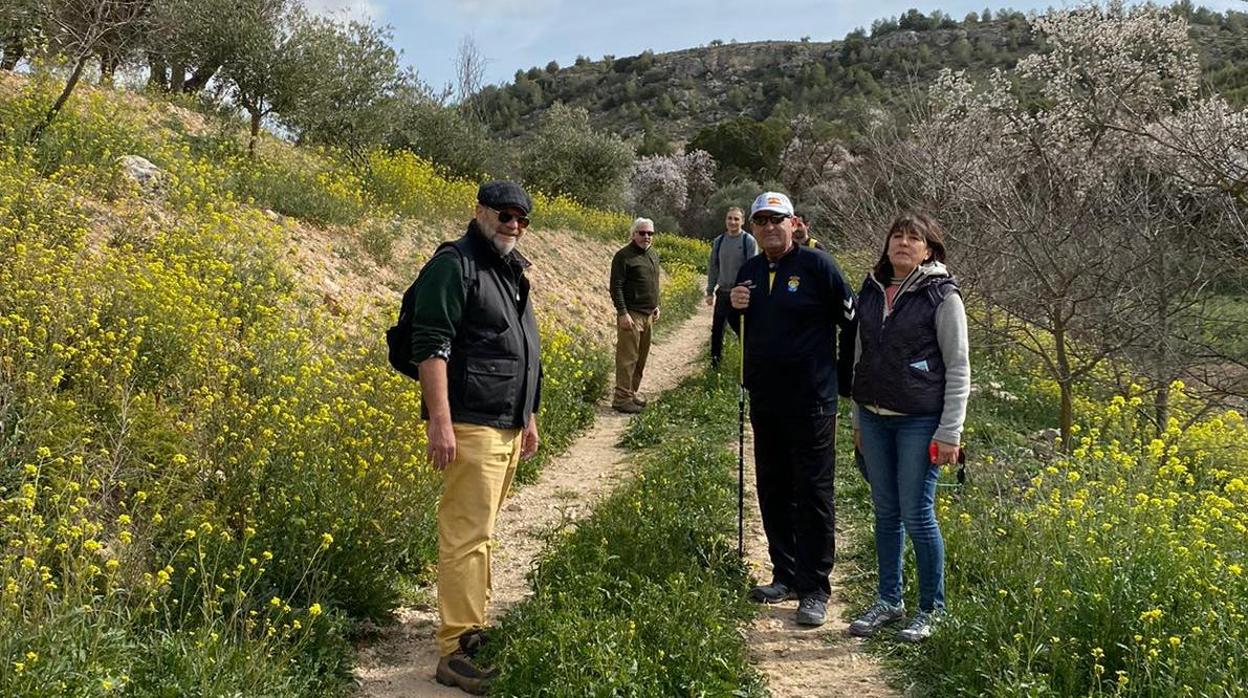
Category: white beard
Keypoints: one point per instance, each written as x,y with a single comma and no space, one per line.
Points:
504,247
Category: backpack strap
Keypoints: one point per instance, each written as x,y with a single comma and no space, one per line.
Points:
467,264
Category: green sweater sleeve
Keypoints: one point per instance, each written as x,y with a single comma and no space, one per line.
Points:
618,276
439,306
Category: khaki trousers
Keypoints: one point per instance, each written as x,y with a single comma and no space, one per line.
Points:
476,484
631,349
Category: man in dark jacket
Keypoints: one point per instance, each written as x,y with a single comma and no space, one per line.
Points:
635,295
793,300
801,234
475,342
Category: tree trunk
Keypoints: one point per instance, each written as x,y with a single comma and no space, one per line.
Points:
37,132
255,134
12,51
158,73
1163,369
177,77
108,68
1161,407
200,77
1065,385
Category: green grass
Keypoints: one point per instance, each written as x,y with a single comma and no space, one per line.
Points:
645,598
1115,570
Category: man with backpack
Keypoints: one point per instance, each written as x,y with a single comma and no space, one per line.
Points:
467,327
728,252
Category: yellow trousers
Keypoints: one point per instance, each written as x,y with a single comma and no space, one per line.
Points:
476,484
632,348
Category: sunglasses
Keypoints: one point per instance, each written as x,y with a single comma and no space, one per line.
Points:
764,219
507,217
647,233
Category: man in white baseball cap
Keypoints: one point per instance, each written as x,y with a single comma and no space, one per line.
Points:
793,300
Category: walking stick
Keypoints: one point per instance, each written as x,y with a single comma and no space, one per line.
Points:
741,449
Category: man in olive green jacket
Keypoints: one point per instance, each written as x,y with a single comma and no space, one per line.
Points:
635,294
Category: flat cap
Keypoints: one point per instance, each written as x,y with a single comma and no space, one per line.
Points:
501,194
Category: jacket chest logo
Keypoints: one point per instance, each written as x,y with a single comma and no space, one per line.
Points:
794,282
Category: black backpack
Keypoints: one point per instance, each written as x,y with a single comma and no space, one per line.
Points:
399,337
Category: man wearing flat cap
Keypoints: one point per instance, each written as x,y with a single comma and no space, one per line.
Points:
474,339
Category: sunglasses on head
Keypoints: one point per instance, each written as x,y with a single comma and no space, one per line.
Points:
508,216
765,218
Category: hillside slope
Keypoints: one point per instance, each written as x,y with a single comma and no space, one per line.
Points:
680,92
208,470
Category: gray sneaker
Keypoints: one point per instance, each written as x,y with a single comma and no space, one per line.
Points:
812,611
879,615
921,626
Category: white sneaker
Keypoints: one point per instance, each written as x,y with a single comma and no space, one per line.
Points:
920,627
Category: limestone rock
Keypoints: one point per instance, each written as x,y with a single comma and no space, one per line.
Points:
138,168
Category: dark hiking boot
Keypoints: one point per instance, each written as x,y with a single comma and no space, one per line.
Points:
776,592
459,670
629,407
472,642
812,611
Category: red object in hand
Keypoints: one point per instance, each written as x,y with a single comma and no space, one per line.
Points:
932,450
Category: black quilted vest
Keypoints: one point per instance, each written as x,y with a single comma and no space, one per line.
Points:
901,368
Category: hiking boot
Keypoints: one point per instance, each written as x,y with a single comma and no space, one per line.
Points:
459,670
629,407
812,611
775,592
921,626
879,615
472,642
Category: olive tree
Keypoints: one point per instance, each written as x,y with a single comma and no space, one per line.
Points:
351,83
20,31
567,156
79,30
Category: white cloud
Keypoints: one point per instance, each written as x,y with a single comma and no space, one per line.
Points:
350,9
511,8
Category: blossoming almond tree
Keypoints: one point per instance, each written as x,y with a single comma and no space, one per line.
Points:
1086,233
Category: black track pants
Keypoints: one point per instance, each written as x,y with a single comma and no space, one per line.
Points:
795,465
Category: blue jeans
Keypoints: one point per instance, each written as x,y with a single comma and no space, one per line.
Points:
903,494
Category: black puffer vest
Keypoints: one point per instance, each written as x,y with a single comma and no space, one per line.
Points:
901,368
495,361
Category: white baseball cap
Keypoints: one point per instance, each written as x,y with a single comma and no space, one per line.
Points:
772,201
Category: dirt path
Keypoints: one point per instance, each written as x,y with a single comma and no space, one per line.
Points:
801,662
400,664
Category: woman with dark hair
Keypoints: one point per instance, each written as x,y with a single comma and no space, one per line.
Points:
912,378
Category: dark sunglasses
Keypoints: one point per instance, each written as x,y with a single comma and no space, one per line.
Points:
764,219
647,233
507,217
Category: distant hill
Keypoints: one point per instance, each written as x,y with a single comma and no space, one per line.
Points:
674,95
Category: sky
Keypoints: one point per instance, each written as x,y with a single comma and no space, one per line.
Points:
519,34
